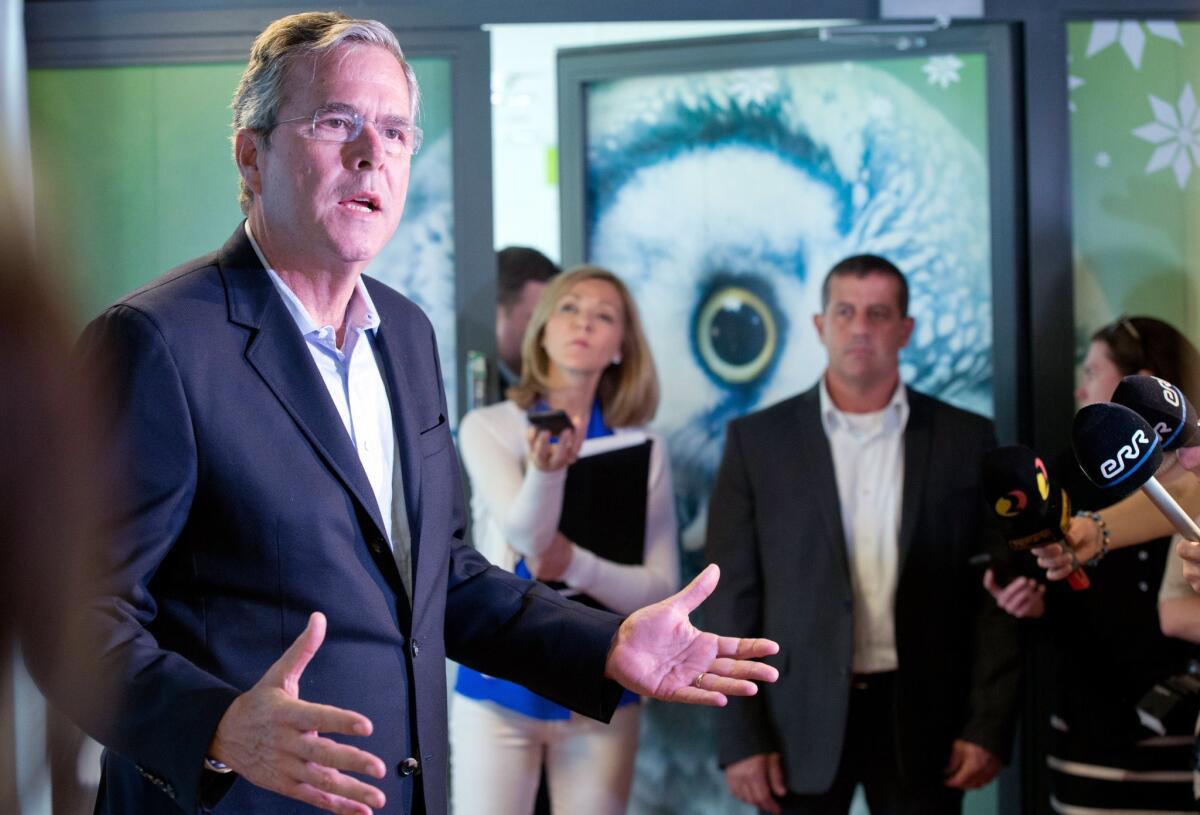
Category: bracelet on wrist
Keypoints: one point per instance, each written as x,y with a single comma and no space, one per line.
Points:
1104,536
215,766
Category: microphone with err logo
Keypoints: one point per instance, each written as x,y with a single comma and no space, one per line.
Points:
1163,406
1031,509
1120,452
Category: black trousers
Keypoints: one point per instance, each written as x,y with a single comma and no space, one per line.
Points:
869,758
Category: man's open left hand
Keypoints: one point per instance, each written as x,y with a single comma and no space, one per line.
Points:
658,652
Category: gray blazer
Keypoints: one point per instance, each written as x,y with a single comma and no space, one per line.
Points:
775,529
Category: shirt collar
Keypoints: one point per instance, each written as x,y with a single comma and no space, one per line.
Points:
895,412
360,311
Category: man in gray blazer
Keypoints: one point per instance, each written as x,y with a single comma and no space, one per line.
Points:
843,520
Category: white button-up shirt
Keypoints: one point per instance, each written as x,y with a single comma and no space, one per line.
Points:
351,375
868,460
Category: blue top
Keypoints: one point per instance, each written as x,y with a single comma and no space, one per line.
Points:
510,695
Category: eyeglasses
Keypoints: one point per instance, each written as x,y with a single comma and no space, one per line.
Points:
1125,344
1125,323
342,123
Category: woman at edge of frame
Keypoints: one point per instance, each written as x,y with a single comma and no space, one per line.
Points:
1108,641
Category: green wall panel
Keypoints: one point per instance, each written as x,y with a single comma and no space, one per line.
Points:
132,170
1136,243
133,167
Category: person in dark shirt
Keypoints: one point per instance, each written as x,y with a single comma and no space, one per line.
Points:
521,277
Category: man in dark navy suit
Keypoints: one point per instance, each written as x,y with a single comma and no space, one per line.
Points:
289,574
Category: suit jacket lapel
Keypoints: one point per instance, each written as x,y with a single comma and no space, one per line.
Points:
814,470
917,440
277,352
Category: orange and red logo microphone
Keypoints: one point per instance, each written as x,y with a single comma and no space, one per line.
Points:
1011,504
1032,511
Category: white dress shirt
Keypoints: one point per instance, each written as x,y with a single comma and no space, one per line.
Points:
351,375
868,460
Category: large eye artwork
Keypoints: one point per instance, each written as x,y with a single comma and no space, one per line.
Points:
736,332
723,198
419,259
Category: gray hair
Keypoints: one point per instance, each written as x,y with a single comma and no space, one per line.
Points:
260,92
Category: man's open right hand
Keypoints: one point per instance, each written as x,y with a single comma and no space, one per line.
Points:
270,737
758,781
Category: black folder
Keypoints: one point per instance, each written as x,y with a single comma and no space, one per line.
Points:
604,506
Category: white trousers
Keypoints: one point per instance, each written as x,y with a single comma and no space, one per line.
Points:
496,758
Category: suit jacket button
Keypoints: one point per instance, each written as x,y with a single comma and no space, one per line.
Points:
410,766
416,648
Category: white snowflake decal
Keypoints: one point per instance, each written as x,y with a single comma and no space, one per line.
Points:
754,87
943,71
1177,134
1130,35
1073,82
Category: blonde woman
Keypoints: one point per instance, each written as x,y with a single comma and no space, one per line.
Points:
583,353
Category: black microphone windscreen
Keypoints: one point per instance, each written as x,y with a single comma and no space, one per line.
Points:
1163,406
1017,487
1115,448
